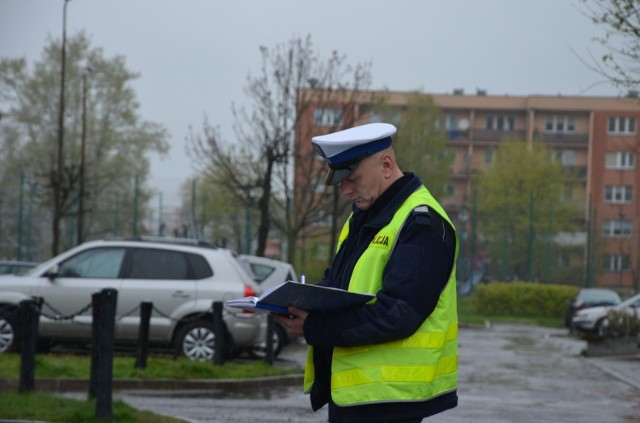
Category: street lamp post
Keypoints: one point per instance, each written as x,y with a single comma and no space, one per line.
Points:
57,189
83,142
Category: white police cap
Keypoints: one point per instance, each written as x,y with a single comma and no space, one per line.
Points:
344,150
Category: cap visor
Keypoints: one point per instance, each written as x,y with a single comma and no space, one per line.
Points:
335,176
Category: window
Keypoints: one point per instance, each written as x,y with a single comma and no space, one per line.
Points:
160,264
451,121
565,157
622,125
262,271
568,158
559,123
500,122
618,194
620,160
327,116
616,228
374,117
94,263
489,155
199,266
616,263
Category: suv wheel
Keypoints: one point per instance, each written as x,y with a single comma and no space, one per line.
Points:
8,332
196,340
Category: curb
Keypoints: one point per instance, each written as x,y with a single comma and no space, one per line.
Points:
77,385
615,374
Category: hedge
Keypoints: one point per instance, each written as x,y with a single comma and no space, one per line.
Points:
523,299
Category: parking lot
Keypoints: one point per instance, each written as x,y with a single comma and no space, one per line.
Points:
508,373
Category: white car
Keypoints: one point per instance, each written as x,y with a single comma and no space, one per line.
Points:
594,319
267,274
182,281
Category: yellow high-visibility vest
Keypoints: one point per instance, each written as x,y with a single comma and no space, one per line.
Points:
417,368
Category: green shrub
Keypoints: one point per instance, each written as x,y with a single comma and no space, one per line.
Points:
523,299
620,324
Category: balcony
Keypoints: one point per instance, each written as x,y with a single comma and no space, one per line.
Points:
496,136
458,135
578,172
562,138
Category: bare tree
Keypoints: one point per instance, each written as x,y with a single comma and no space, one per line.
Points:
292,81
621,22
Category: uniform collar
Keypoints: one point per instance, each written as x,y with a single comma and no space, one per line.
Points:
383,209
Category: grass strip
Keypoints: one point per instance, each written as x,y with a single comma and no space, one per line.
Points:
50,408
59,366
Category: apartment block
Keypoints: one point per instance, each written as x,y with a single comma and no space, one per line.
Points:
595,139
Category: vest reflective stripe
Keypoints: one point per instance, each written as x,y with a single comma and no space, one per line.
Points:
417,368
421,373
420,340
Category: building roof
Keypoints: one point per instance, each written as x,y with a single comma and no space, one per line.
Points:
531,102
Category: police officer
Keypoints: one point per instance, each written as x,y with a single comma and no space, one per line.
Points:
395,358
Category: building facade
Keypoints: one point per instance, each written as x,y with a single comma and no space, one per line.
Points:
595,139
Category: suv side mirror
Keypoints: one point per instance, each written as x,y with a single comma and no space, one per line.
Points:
52,273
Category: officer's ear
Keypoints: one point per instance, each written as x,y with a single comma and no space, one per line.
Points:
387,162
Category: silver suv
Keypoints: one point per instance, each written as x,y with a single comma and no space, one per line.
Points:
182,282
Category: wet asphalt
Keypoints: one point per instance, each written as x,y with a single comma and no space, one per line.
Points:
508,373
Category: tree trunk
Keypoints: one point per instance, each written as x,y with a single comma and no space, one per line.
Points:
263,205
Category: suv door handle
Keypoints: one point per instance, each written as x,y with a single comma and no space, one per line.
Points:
180,294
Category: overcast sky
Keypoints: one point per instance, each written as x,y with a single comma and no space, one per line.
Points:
193,56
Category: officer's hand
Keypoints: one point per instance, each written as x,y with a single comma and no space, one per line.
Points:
294,322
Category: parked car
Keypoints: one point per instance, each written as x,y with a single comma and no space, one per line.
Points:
594,319
268,273
182,282
589,297
15,267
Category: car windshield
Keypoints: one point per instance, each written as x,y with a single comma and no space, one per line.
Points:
595,296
